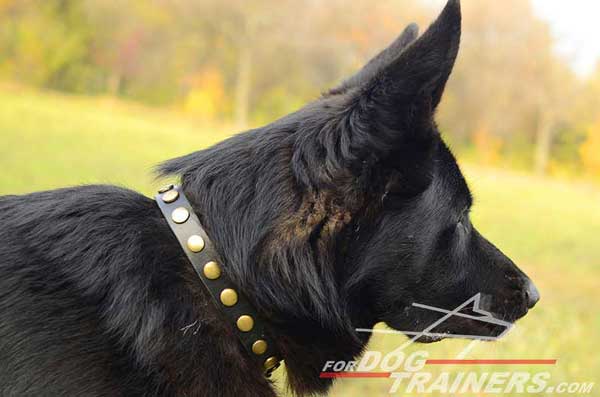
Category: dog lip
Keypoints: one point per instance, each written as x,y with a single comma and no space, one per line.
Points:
519,311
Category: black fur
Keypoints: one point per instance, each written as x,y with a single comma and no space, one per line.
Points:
335,217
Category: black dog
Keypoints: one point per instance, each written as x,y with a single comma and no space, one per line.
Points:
335,217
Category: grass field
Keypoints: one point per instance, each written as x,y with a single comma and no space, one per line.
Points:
550,228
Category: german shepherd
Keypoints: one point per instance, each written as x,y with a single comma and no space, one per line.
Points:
333,218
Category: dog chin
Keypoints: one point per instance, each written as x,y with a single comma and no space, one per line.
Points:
429,339
456,328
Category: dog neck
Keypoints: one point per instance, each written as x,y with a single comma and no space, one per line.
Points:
303,340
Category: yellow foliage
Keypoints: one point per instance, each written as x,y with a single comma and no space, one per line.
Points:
6,5
207,95
487,146
590,150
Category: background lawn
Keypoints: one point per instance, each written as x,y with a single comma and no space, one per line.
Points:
550,228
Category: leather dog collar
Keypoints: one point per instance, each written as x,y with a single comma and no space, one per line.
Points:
232,304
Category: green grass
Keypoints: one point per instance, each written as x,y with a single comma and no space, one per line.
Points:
551,229
47,141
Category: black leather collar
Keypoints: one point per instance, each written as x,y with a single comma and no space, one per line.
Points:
234,306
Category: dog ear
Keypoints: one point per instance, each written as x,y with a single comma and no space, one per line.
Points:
380,61
421,71
393,112
383,116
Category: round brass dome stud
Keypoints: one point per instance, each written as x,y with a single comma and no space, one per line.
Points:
165,189
180,215
212,271
195,243
259,347
245,323
271,363
229,297
170,196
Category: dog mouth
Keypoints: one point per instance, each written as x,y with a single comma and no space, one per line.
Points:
484,320
479,329
463,328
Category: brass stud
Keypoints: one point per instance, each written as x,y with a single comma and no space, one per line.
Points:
245,323
271,363
229,297
170,196
165,189
195,243
212,271
180,215
259,347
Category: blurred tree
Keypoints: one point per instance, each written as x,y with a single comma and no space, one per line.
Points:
590,150
507,81
587,102
588,114
133,48
205,98
44,43
256,60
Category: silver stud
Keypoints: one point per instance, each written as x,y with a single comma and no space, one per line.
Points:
180,215
165,189
170,196
195,243
212,271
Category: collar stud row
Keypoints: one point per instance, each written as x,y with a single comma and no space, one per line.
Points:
199,250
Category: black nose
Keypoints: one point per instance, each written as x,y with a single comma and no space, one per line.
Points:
532,294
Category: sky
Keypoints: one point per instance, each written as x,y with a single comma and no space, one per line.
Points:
576,27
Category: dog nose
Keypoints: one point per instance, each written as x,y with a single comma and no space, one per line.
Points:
532,294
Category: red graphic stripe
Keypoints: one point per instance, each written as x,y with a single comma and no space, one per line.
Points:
509,361
355,374
329,375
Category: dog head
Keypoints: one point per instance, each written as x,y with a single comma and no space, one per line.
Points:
381,156
347,212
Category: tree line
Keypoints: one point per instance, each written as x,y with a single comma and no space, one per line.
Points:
511,98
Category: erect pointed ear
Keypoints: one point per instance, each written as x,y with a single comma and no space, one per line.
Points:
380,61
389,119
419,74
393,111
